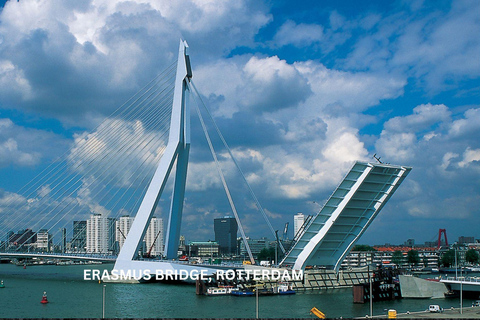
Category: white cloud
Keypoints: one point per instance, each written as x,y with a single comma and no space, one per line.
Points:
470,156
299,35
258,84
119,151
437,49
468,126
88,58
424,116
26,147
340,92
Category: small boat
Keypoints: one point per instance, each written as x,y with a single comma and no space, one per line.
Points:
285,288
241,293
216,291
2,285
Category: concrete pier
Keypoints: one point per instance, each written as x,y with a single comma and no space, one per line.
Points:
413,287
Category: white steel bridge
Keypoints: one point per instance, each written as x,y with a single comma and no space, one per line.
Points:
324,240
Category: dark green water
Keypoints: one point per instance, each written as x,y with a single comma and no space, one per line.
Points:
72,297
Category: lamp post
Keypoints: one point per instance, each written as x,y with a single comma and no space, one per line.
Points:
103,302
276,245
371,291
256,298
461,292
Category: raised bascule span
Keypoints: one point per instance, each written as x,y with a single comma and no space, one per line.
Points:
324,240
348,212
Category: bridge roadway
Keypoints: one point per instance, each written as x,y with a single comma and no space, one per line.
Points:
70,256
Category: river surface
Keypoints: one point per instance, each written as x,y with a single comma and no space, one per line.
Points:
72,297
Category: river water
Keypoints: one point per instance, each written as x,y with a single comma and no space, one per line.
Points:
72,297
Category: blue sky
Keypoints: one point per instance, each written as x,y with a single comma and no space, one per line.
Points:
300,90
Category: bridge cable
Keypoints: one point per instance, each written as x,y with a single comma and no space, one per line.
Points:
239,169
225,186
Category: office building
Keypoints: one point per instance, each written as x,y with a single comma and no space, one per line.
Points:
466,240
154,237
256,245
298,221
63,242
97,234
23,238
79,238
122,227
226,234
203,248
44,239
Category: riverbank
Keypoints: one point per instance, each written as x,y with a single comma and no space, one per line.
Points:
452,313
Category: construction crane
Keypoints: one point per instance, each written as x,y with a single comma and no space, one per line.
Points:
153,244
285,232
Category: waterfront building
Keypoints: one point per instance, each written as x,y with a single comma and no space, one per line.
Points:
298,221
25,238
63,242
122,226
154,237
181,245
429,257
97,234
44,240
256,245
204,248
111,243
410,243
79,238
226,234
465,240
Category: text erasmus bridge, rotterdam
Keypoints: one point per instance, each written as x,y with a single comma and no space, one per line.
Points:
324,240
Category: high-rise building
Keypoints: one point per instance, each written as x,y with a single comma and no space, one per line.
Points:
44,240
63,243
464,240
79,238
181,244
123,225
255,245
23,238
111,234
410,243
154,237
298,221
97,234
226,234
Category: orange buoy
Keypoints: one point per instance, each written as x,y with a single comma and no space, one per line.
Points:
44,298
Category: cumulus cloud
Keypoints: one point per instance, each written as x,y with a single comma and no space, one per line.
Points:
25,147
84,59
119,151
470,157
340,92
258,85
298,34
443,165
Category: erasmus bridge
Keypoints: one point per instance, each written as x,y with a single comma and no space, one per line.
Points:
124,166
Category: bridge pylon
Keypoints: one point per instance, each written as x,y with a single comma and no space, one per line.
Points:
176,153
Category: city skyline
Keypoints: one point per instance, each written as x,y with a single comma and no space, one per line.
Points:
300,93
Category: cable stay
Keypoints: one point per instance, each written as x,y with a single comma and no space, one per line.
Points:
84,173
260,208
225,186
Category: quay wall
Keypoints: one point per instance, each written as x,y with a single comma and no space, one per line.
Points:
413,287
